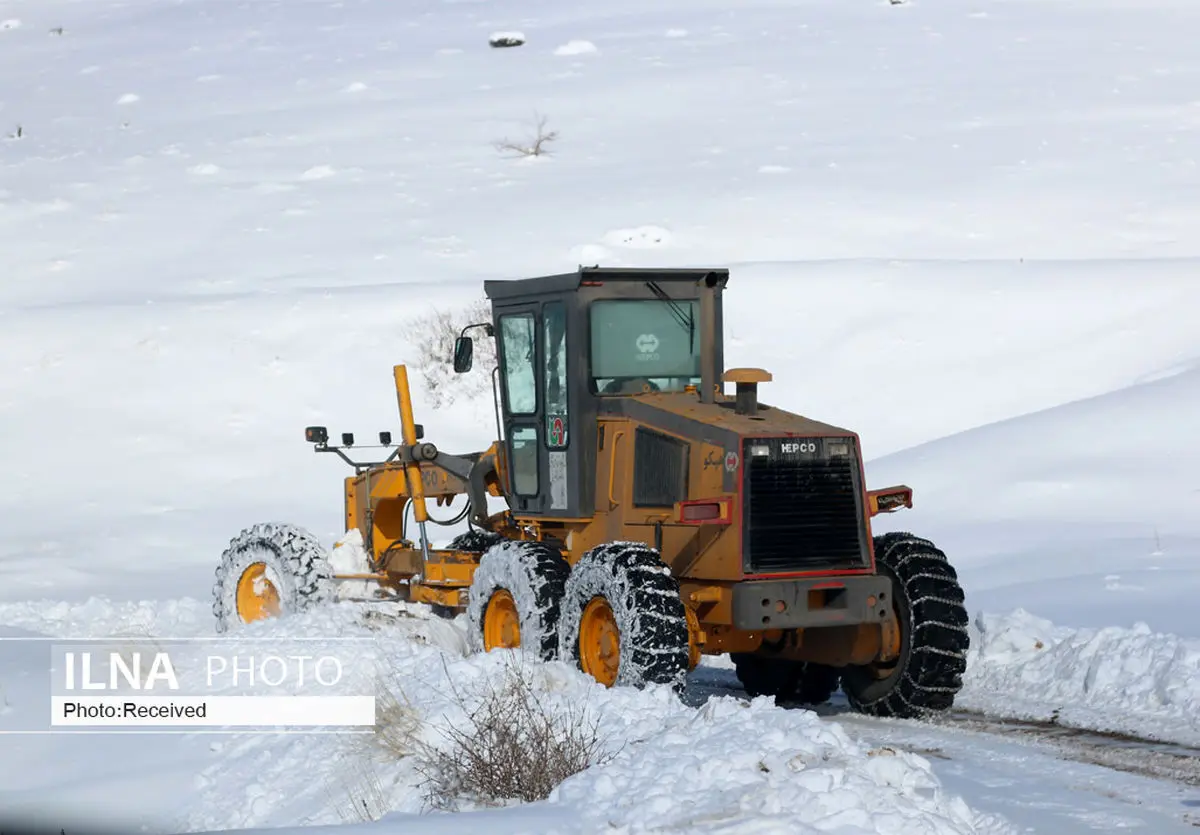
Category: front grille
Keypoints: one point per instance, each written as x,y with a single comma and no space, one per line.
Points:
802,507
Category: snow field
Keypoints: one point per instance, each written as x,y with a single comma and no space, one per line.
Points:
965,231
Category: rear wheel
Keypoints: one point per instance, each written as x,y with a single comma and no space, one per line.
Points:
623,621
515,597
928,603
784,679
268,570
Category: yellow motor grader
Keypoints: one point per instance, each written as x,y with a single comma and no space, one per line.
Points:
633,514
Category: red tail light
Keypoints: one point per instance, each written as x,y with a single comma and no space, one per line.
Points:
705,512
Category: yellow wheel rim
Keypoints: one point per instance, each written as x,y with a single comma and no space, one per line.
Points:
693,625
599,642
257,597
890,640
501,623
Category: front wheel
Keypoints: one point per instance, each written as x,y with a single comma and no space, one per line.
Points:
268,570
928,603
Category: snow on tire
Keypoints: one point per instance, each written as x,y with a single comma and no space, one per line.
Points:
649,614
273,558
933,634
533,574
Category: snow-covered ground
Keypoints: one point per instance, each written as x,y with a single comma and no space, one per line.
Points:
663,764
965,230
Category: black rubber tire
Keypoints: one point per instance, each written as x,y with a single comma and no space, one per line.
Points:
474,541
788,681
818,683
302,574
644,597
534,574
933,634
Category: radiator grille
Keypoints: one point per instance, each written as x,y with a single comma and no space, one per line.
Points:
659,469
802,509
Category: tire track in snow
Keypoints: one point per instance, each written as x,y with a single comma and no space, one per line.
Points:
1121,752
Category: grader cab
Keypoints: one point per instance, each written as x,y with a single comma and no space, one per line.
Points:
645,515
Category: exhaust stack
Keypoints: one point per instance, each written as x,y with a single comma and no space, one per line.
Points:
746,381
709,285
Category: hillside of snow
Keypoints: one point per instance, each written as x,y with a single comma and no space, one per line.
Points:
964,230
1088,511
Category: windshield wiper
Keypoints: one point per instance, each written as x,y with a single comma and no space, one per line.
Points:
683,317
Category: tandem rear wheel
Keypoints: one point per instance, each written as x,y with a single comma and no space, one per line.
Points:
616,614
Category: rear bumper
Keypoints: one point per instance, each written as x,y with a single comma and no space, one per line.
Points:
811,602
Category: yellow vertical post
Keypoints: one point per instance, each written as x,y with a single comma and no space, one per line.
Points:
412,470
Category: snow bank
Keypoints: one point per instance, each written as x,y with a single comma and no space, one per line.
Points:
1114,679
666,765
733,761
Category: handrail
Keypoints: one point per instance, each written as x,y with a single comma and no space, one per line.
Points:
612,468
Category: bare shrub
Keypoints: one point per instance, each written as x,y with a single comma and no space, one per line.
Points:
533,145
433,336
512,746
397,723
362,798
505,744
357,794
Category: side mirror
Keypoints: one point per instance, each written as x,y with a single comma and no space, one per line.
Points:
464,351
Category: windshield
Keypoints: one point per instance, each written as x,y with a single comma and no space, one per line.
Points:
636,341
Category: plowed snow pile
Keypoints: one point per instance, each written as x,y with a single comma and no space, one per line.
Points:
665,765
1121,680
673,767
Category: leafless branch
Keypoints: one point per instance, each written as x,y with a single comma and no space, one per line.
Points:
531,146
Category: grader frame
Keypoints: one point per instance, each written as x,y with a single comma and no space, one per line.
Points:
688,533
630,480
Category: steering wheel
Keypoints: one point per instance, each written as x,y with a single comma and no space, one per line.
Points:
631,385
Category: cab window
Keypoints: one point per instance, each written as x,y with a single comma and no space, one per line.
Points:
636,342
554,342
517,344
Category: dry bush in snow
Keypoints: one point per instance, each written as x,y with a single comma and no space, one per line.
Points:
397,724
496,742
433,336
533,145
511,746
358,795
361,798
